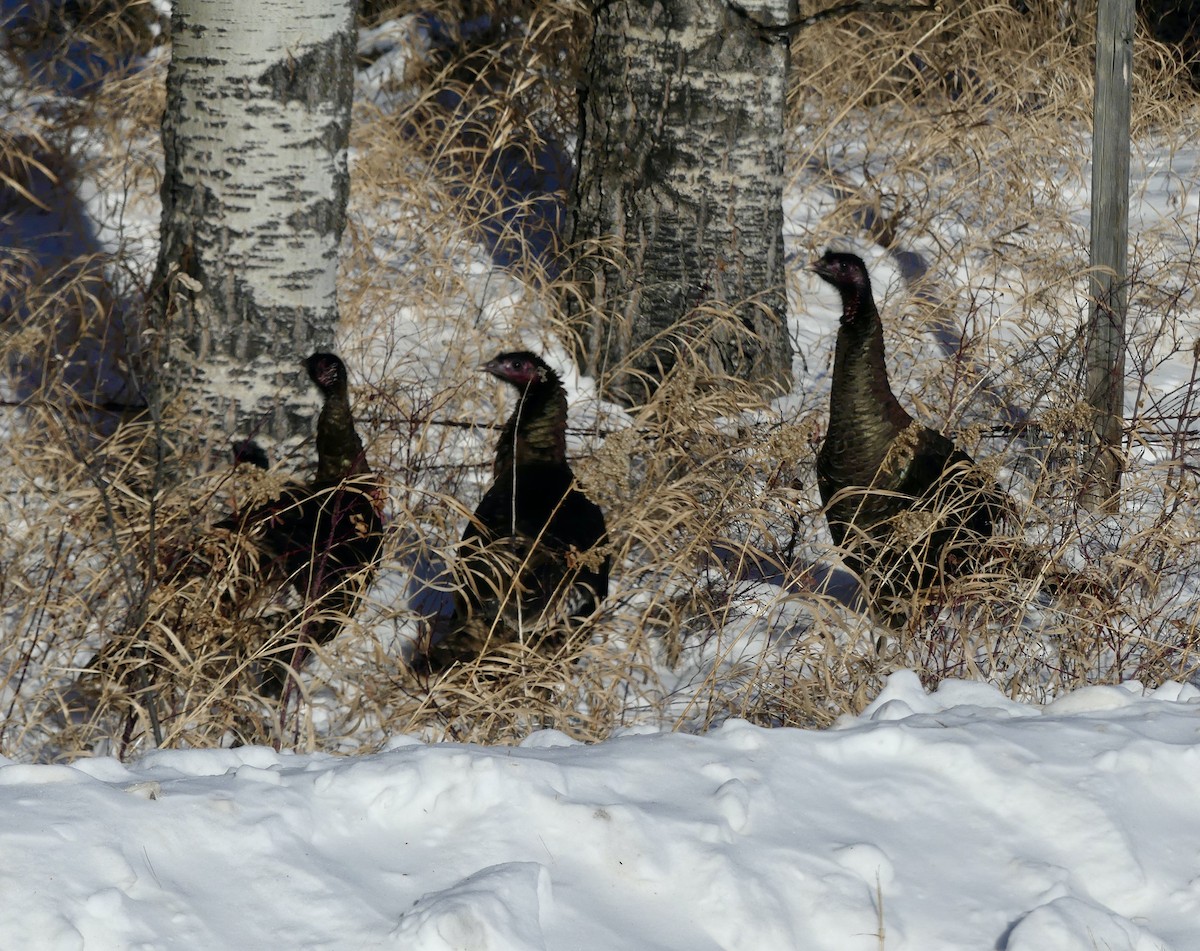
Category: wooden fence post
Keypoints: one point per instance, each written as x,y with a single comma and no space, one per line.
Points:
1110,242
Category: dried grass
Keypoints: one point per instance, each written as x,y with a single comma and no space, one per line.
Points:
949,134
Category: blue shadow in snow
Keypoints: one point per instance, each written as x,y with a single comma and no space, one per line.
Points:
519,191
55,269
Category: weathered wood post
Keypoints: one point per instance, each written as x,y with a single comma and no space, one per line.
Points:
1110,242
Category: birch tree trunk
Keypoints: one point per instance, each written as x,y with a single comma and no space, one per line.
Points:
678,215
254,203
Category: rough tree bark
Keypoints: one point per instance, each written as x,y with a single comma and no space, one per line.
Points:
254,203
677,216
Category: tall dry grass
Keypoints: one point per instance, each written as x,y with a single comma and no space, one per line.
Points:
948,147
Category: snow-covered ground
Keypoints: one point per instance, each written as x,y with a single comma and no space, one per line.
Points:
953,820
944,822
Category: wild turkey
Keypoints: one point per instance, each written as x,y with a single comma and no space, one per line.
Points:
526,561
323,538
905,503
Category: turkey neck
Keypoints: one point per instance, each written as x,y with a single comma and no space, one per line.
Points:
536,431
339,450
864,415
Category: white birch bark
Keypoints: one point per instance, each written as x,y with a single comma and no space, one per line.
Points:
254,202
678,215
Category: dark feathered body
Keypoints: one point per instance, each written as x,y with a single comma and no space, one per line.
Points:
324,537
524,562
340,452
877,463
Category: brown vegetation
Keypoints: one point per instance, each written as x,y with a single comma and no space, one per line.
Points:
957,136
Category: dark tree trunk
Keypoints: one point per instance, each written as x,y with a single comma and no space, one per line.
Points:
677,214
254,203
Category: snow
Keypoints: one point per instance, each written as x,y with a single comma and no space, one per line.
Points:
947,820
956,818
